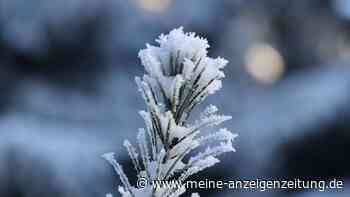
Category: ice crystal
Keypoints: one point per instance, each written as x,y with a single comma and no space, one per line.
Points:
179,76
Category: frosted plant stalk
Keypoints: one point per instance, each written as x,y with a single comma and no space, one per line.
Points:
179,76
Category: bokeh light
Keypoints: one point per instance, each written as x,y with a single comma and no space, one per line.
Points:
264,63
154,6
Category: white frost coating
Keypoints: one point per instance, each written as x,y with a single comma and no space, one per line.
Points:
198,166
123,192
133,155
210,109
222,135
179,76
118,168
183,56
108,156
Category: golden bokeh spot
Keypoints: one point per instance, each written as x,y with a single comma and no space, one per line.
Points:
154,6
264,63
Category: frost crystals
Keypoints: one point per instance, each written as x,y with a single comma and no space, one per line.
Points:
179,76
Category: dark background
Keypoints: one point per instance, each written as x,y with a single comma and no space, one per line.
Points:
67,91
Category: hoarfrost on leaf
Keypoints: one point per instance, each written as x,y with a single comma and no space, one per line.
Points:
179,76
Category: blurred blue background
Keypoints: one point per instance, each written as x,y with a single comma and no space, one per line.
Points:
67,91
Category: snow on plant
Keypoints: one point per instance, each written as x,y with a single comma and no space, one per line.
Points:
179,76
